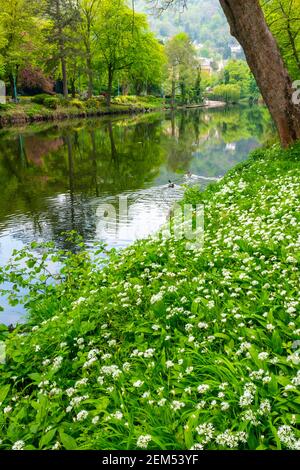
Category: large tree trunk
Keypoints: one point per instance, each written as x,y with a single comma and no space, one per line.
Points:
248,26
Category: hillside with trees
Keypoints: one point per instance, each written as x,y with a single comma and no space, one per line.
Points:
202,20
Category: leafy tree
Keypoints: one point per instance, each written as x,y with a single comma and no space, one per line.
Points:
181,60
238,72
283,18
89,11
148,68
64,16
228,93
197,93
121,38
17,26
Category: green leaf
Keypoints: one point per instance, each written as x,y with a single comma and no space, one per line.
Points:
68,441
102,404
47,438
273,386
35,377
276,342
3,392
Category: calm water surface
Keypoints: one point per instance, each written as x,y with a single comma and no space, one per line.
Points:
57,177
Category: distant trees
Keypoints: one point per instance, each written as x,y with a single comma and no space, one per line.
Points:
116,32
237,72
228,93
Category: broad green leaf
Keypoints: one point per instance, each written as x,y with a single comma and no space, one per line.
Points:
3,392
47,438
68,441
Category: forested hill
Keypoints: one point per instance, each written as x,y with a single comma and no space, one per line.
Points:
203,20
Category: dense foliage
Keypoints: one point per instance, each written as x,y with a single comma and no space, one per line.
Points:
283,19
90,47
164,347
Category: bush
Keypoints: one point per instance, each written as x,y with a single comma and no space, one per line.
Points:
32,80
39,99
92,103
77,103
63,101
51,102
4,107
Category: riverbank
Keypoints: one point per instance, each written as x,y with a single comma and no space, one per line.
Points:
166,348
45,108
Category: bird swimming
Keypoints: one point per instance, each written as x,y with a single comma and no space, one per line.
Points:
171,185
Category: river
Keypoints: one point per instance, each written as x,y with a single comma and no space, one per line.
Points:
58,177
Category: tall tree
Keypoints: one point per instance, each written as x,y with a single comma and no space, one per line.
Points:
17,26
181,58
89,10
148,68
249,27
117,34
64,16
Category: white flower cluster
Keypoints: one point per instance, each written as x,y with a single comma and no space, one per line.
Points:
143,441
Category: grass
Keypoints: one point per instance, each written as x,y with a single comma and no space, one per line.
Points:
44,107
166,348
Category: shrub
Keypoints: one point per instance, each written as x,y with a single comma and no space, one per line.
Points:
39,99
51,102
93,103
63,101
4,107
33,80
77,103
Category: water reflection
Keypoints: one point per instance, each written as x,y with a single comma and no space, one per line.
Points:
53,177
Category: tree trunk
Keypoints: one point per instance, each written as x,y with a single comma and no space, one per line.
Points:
62,51
73,88
64,76
13,78
173,104
12,86
249,27
90,74
109,87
